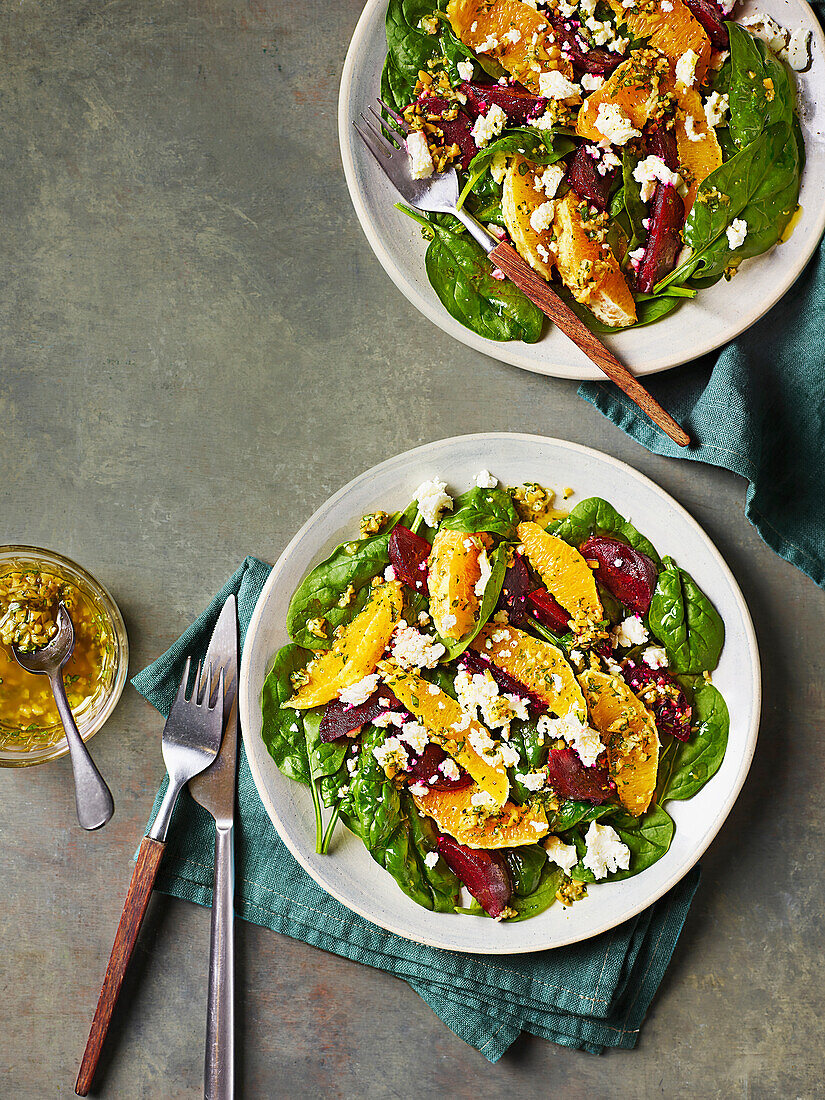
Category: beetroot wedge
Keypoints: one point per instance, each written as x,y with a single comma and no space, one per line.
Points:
578,52
664,238
586,179
426,769
712,18
514,590
484,873
517,103
662,695
569,778
340,719
408,555
456,130
546,610
627,574
507,684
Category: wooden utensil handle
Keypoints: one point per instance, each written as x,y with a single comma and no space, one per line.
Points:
538,290
134,910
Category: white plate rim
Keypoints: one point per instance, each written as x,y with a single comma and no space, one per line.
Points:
386,921
576,367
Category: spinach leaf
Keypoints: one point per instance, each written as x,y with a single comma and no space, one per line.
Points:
526,864
542,897
685,621
492,591
686,766
409,48
321,592
442,882
326,758
637,210
760,185
480,510
571,812
532,750
283,728
648,837
761,92
538,146
461,275
596,516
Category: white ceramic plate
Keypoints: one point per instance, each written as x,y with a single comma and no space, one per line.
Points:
715,317
348,872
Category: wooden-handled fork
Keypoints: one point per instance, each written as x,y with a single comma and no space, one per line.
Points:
439,194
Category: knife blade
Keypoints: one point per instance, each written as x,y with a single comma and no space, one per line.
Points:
214,789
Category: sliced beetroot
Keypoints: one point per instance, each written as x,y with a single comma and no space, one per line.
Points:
662,695
712,18
484,873
408,555
478,663
340,719
456,131
664,237
514,590
425,769
517,103
586,180
627,574
577,50
569,778
546,609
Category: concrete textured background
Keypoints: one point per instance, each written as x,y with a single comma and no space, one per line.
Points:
198,347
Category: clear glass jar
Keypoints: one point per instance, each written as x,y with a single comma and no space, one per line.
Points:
94,676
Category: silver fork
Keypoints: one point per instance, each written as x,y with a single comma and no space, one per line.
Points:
191,739
385,138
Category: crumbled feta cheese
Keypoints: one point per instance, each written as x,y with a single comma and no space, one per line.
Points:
666,5
636,257
798,51
618,45
389,573
577,657
485,480
418,790
545,121
488,45
483,801
550,179
542,251
465,70
555,85
655,657
485,574
415,735
513,36
605,851
690,129
533,781
762,26
614,125
430,859
498,167
542,217
563,855
652,169
509,755
389,718
423,618
488,126
591,82
358,693
412,649
686,67
391,755
586,741
343,791
726,6
432,501
449,621
716,107
736,233
421,161
449,769
630,632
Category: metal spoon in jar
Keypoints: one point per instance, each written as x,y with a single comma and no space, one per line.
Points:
93,798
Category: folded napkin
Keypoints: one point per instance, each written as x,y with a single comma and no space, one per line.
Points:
758,409
591,995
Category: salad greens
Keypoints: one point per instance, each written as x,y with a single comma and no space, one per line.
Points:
375,773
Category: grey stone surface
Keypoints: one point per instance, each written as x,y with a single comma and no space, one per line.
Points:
198,347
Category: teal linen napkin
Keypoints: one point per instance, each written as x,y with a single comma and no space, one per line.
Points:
592,995
758,409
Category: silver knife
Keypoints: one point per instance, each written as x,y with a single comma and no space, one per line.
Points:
214,789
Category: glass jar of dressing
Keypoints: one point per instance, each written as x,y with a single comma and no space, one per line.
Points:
32,582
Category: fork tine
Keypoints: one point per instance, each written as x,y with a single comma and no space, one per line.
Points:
380,154
391,129
180,697
394,114
390,148
193,698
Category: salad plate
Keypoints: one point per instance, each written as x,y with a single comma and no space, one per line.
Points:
699,325
347,871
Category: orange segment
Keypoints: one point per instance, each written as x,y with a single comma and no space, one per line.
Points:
477,22
520,197
449,726
539,665
673,32
455,814
697,159
633,87
564,571
454,571
356,652
629,730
